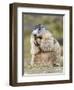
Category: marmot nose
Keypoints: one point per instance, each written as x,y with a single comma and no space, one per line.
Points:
35,35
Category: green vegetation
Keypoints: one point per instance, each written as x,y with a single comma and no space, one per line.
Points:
53,23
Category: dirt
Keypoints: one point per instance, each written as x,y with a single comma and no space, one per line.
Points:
39,69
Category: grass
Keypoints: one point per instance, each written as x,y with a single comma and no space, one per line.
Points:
38,69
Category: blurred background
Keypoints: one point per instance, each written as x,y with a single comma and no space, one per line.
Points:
53,23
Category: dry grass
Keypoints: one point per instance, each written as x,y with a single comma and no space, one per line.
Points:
39,69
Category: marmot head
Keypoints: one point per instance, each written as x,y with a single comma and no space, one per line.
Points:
37,32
